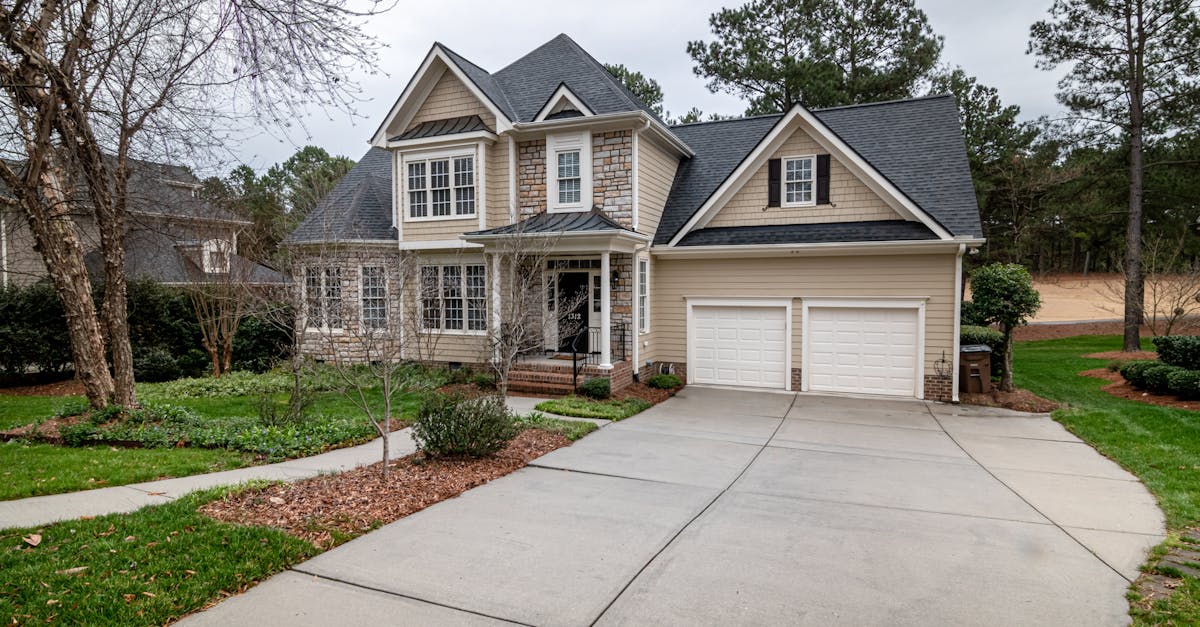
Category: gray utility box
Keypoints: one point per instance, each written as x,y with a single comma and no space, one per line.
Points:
975,368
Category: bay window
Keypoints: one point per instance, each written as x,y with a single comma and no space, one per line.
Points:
374,297
323,298
454,297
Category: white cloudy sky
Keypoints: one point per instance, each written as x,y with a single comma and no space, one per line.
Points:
986,37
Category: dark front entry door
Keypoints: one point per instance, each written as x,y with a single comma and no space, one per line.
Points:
573,307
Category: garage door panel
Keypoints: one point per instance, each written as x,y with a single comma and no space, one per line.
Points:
862,350
739,346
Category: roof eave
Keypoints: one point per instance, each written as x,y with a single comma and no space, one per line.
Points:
634,117
829,249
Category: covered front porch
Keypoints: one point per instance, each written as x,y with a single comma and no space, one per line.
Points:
563,292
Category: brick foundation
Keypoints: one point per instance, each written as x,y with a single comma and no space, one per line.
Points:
939,388
795,379
556,379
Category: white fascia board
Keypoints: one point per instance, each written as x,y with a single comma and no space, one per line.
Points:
796,119
439,244
418,89
811,250
639,118
563,93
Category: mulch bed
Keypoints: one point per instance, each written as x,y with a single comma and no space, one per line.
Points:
46,431
1071,329
70,387
1123,356
1119,388
1017,400
329,509
651,395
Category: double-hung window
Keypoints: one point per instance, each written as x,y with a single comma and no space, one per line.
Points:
569,189
374,297
441,187
798,181
323,297
643,295
569,171
454,297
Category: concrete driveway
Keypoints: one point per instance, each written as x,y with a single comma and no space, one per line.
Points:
731,507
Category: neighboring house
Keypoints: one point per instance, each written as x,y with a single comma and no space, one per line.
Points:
816,250
174,236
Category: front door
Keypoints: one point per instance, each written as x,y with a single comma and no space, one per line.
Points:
573,308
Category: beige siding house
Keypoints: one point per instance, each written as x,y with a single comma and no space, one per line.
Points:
813,250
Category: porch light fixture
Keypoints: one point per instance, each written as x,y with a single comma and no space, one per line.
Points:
616,279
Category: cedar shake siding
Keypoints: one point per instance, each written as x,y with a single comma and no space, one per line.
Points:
450,98
656,171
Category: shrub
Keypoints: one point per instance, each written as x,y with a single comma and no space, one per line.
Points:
1115,365
451,425
596,388
1158,378
664,381
1179,350
971,316
79,434
155,364
484,380
1134,371
33,331
970,334
258,344
1185,383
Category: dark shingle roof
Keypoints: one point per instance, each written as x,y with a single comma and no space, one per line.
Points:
159,257
448,126
572,222
358,208
824,233
484,81
916,144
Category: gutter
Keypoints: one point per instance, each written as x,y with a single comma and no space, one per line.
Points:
824,248
591,120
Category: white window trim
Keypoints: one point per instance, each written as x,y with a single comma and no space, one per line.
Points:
426,156
487,287
783,161
748,301
341,295
866,302
567,142
215,245
362,300
643,285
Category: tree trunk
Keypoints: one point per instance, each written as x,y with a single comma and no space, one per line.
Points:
1006,379
56,238
1135,289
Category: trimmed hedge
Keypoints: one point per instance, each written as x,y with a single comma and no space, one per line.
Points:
596,388
664,381
1157,378
1185,383
1179,350
456,426
1160,378
969,334
1134,371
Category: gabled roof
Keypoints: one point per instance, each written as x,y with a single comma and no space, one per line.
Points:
567,222
358,209
823,233
914,144
160,257
448,126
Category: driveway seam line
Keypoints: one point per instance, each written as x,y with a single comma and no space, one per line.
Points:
800,447
864,424
1022,497
406,596
904,509
693,519
612,476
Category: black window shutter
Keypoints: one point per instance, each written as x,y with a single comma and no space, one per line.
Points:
773,182
822,179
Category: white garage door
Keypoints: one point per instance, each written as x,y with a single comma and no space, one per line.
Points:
745,346
861,350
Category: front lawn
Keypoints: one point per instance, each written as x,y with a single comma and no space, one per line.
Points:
1161,445
580,407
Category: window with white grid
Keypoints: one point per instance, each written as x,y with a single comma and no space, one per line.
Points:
323,298
454,297
441,188
643,295
374,297
798,181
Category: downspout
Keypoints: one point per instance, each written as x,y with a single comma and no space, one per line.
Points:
958,298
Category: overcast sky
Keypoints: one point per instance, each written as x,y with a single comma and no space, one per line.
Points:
987,38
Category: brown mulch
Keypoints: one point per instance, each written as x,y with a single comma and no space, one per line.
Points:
651,395
1123,356
330,509
45,431
1017,400
1070,329
1119,388
70,387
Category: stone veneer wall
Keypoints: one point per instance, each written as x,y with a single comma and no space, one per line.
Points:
531,177
612,175
349,343
621,296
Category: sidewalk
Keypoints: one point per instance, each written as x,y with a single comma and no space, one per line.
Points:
41,510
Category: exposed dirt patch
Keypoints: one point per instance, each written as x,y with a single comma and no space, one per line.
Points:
47,430
1179,561
651,395
1123,356
1119,388
1017,400
70,387
1070,329
330,509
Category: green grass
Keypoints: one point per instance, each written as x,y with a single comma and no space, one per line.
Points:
39,469
1160,445
22,410
145,568
571,429
581,407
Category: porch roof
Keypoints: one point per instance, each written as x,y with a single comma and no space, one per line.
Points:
577,231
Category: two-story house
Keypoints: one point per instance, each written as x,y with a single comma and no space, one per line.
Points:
813,250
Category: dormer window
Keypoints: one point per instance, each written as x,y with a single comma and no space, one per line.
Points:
214,255
798,180
569,171
440,187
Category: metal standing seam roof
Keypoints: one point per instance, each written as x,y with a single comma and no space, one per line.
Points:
566,222
448,126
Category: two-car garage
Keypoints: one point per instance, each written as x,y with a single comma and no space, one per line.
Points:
859,346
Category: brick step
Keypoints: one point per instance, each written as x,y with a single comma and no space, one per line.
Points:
540,387
542,377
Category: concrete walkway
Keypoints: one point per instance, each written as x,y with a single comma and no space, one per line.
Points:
724,507
41,510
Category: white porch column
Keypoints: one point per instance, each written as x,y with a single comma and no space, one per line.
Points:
495,295
605,310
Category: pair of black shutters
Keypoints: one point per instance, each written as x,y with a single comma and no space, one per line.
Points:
775,181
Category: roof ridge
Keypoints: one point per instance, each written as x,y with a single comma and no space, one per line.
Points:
744,118
456,57
535,49
886,102
613,83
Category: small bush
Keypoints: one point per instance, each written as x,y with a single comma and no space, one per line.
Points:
484,380
664,381
289,412
1115,365
596,388
1158,378
156,364
80,434
1179,350
1134,371
258,344
1185,383
451,425
981,335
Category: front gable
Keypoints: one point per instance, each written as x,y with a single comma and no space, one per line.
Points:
849,198
450,98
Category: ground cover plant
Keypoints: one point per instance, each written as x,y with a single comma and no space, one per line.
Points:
580,407
1161,445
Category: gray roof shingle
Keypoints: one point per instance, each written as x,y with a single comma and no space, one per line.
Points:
571,222
159,257
824,233
359,207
